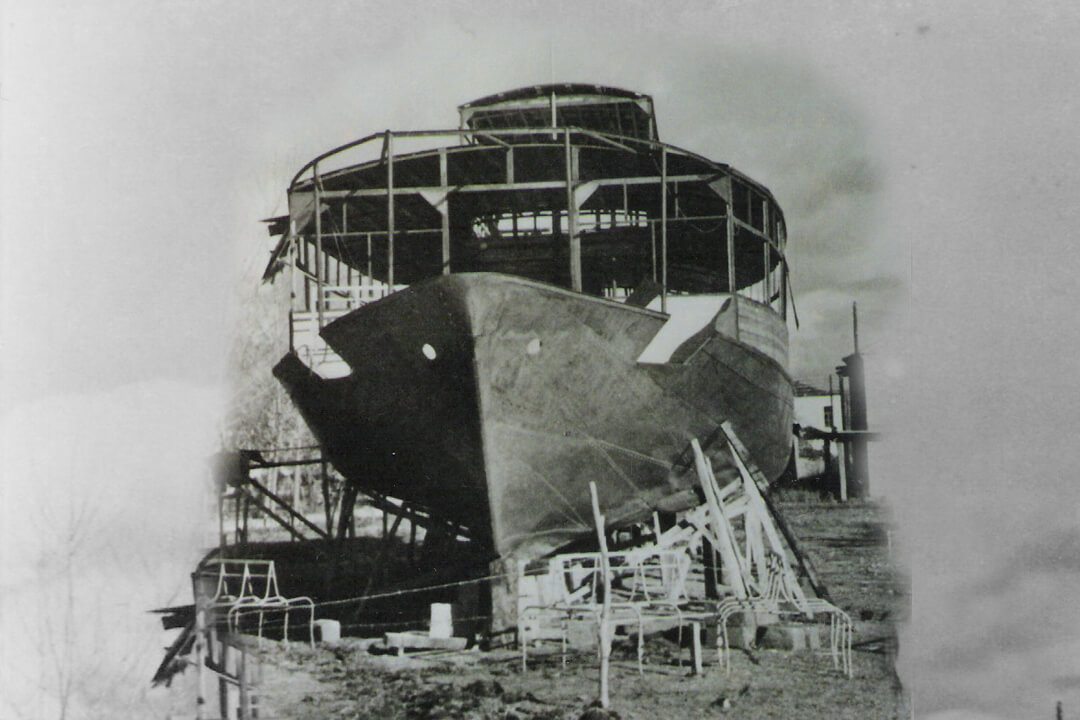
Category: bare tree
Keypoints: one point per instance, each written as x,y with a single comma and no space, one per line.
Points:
260,413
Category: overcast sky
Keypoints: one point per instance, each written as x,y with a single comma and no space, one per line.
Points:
911,146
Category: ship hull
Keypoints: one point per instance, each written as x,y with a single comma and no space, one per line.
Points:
493,401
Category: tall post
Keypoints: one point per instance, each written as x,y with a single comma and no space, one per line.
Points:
842,457
605,607
326,498
766,290
318,246
652,243
571,216
733,286
765,276
224,693
370,270
781,243
390,210
444,212
242,681
855,325
663,230
200,649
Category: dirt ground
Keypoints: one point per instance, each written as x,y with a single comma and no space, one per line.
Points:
849,545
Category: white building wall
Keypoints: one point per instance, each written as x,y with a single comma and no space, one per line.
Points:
811,411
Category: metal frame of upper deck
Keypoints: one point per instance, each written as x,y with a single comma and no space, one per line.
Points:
408,197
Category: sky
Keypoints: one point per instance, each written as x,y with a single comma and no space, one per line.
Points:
925,156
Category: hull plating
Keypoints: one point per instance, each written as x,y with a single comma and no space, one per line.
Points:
493,401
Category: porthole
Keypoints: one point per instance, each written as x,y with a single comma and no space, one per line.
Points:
429,352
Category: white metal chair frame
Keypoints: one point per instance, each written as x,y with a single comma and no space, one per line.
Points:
779,599
250,587
653,587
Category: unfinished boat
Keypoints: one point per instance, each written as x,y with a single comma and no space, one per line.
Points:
488,318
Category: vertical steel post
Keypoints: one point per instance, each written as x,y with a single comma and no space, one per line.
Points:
390,210
732,283
571,216
783,271
652,242
326,498
765,277
370,276
663,230
318,245
765,231
345,239
444,213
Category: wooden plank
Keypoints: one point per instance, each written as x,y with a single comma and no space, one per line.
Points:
742,458
732,570
402,641
605,608
695,647
288,508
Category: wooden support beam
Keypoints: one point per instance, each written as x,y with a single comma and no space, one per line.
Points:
297,535
605,608
345,514
731,567
288,508
200,650
376,566
695,647
325,480
742,458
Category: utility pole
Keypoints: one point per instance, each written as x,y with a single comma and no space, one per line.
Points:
855,411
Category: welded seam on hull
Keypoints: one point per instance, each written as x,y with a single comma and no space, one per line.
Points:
559,495
659,462
484,439
750,381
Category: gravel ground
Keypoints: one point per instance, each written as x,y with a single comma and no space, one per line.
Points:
849,545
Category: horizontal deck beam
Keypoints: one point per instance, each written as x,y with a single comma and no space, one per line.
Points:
502,187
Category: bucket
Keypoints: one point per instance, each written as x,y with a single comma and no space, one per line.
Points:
442,623
329,631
